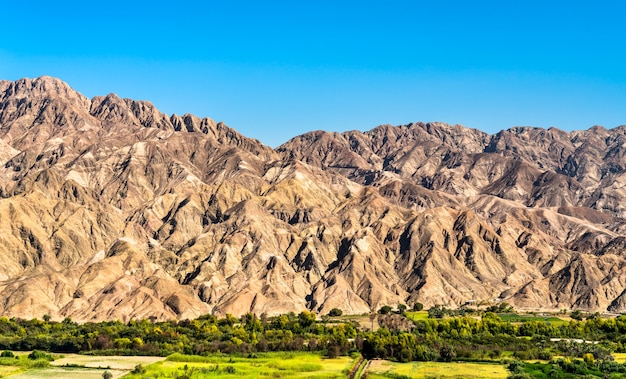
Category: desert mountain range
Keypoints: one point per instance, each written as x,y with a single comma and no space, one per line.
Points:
111,209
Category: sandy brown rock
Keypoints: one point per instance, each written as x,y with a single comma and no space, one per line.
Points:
114,210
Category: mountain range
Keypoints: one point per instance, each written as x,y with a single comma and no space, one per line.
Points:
112,209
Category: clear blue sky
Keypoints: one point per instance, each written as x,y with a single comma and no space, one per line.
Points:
276,69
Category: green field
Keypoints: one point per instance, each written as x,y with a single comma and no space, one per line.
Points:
379,369
9,370
619,357
20,363
259,365
515,317
70,366
417,316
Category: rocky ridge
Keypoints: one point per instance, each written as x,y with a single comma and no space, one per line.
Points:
112,209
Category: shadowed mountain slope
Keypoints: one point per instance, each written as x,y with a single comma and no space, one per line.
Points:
112,209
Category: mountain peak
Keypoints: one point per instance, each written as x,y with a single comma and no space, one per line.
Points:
43,86
110,201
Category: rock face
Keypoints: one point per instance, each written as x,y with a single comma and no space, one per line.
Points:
113,210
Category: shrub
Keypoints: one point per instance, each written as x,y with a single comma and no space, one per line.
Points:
437,311
335,312
447,353
516,366
230,370
7,354
139,369
577,315
36,354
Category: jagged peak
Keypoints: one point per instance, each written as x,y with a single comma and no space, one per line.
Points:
191,123
43,86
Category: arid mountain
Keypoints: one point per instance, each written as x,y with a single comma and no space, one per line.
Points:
113,210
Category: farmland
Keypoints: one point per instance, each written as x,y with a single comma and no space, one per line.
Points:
305,345
261,365
69,366
448,370
67,373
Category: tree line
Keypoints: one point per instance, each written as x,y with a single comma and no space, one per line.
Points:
471,337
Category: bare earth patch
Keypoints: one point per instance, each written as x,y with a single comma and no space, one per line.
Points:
67,373
112,362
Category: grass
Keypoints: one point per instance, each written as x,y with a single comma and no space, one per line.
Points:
379,369
417,316
69,366
20,363
619,357
514,317
361,369
9,370
259,365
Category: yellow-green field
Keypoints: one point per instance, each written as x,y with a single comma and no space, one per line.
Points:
78,366
453,370
619,357
9,370
259,365
417,316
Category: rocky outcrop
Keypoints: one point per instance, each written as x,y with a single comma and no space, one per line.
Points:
114,210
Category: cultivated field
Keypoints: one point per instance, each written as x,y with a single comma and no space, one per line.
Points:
113,362
379,369
259,365
519,318
416,316
71,366
66,373
9,370
619,357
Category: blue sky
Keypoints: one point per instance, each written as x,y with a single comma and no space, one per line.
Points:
276,69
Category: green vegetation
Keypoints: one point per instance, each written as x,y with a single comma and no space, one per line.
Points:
566,368
418,306
258,365
205,335
13,363
518,318
335,312
417,315
394,370
540,343
576,315
35,365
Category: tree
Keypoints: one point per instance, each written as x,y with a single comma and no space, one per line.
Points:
107,375
447,353
385,309
438,311
576,315
401,308
306,318
335,312
418,306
